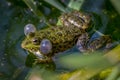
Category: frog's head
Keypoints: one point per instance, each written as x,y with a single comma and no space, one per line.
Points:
35,43
31,43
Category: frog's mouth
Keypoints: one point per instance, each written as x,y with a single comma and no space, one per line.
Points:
39,55
34,49
41,58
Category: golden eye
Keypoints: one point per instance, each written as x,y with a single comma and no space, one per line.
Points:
36,41
29,28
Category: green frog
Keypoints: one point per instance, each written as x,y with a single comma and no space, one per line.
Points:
47,42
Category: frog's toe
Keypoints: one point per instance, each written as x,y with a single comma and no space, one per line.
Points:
82,41
110,46
102,43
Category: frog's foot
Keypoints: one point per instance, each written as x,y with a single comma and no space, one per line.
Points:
46,64
82,42
108,45
47,60
100,42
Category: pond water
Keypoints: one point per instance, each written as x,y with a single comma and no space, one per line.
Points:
14,15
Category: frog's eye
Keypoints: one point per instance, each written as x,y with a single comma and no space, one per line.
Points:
35,41
45,46
29,28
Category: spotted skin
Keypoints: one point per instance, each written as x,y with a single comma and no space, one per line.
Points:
77,19
62,38
72,31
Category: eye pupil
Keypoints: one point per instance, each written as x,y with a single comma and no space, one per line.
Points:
35,41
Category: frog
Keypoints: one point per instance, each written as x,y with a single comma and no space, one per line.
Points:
48,42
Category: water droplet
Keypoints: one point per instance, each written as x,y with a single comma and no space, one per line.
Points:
4,40
42,21
31,9
6,30
5,54
29,28
40,3
2,64
34,3
8,3
52,21
45,46
3,58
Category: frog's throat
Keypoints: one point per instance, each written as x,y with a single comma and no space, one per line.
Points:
39,55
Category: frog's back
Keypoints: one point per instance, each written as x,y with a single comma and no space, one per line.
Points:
62,38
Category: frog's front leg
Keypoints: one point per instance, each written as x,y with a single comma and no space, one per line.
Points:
82,42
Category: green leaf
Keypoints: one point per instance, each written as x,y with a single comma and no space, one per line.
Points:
91,61
30,60
115,72
56,4
108,60
116,4
75,4
33,7
38,73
